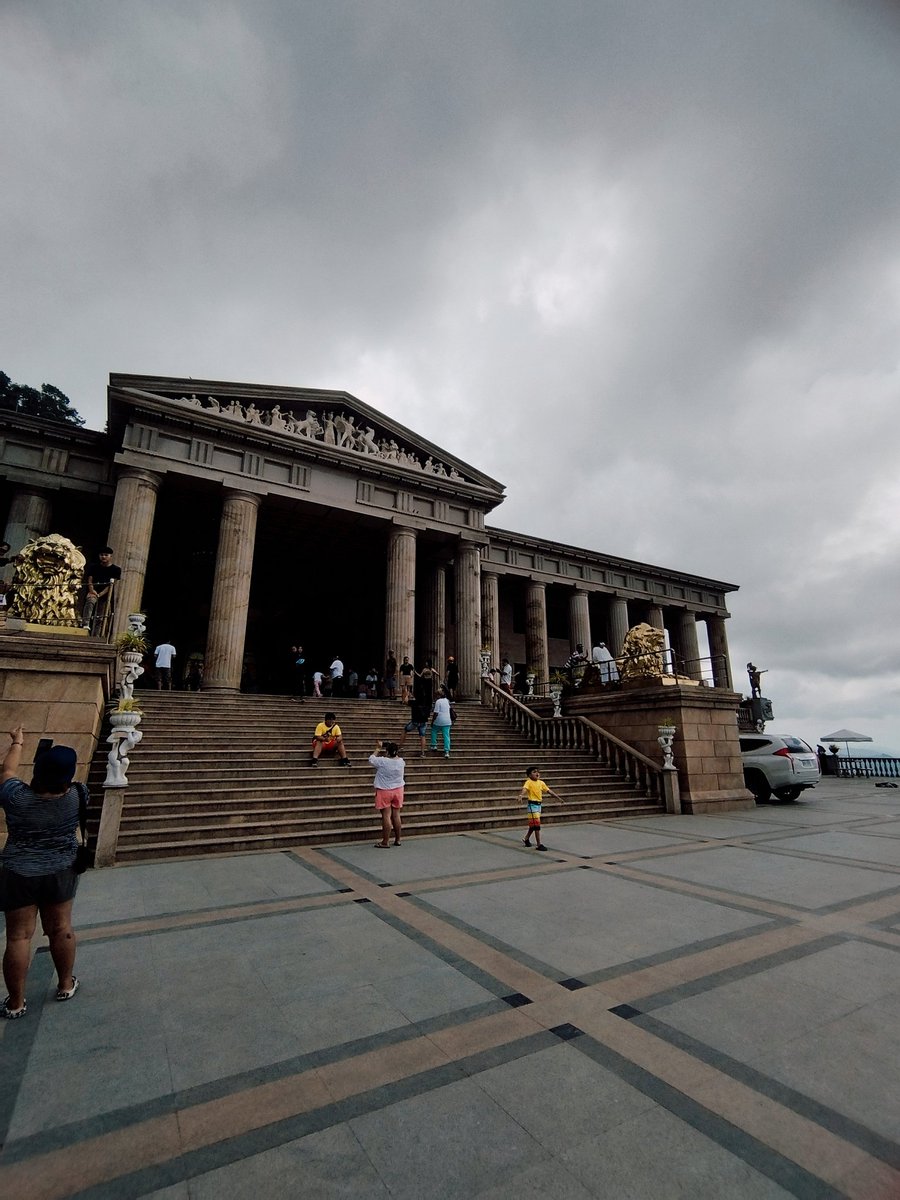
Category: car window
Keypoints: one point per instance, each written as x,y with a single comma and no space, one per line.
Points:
797,745
754,743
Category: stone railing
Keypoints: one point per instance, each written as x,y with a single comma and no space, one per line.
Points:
578,733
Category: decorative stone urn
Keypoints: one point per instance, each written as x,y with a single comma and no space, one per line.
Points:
556,696
529,683
485,657
665,739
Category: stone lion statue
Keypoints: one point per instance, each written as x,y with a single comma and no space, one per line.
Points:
642,652
48,581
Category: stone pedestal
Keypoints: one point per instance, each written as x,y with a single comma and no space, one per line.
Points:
706,747
55,686
231,593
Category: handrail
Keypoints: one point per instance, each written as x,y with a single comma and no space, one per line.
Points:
577,733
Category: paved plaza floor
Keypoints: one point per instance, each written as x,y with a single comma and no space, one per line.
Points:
664,1007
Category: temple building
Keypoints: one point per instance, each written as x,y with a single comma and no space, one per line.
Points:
247,518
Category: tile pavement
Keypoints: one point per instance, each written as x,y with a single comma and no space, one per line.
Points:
664,1007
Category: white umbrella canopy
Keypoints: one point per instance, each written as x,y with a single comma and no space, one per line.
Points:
846,736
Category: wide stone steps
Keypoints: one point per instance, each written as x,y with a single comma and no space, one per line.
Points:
220,775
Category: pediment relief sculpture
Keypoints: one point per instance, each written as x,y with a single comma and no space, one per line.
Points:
331,428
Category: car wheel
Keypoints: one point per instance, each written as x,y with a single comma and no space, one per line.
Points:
788,793
757,783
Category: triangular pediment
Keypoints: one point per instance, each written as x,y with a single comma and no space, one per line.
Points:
310,419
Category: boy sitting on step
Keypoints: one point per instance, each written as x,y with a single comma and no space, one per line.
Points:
328,740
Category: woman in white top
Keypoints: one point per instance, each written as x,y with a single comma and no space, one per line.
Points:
389,783
441,720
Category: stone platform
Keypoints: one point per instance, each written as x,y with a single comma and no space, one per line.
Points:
668,1006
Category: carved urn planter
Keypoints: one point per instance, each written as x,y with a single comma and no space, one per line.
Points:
125,720
132,657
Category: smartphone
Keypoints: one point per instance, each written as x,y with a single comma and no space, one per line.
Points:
43,745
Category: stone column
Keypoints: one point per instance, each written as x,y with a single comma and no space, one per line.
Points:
536,651
655,617
434,640
490,614
718,649
231,593
468,617
579,620
690,648
618,624
30,515
130,529
400,601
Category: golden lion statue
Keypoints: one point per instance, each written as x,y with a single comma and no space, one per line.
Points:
48,581
642,652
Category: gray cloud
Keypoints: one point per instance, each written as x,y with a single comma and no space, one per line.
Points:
642,263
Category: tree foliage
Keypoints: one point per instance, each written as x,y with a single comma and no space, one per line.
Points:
49,403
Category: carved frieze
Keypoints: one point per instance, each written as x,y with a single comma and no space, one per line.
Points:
330,428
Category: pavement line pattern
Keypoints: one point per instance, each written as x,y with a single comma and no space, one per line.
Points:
452,965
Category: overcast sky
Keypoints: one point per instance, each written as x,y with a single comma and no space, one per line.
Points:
638,260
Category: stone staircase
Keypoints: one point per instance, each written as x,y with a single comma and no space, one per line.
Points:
221,775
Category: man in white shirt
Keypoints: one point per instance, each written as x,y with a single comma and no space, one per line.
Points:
337,676
163,655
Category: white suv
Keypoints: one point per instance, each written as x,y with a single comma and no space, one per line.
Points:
776,763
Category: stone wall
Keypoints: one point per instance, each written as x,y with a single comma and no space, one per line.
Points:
706,748
55,685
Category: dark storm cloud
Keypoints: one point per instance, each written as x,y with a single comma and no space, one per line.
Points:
640,262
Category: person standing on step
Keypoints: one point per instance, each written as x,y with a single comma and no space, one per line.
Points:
390,676
328,740
37,866
451,677
533,791
337,676
389,784
441,719
407,672
162,656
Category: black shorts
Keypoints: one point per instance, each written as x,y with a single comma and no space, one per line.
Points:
22,891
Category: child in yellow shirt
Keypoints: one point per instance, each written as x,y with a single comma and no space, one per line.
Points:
533,790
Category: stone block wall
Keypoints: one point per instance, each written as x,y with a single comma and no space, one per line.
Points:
706,748
56,686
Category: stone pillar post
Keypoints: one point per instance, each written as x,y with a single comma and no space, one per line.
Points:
130,528
490,614
579,620
468,617
618,624
400,601
655,617
718,649
30,514
231,593
435,619
690,648
536,651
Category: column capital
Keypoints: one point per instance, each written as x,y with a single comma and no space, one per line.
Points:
242,497
142,475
